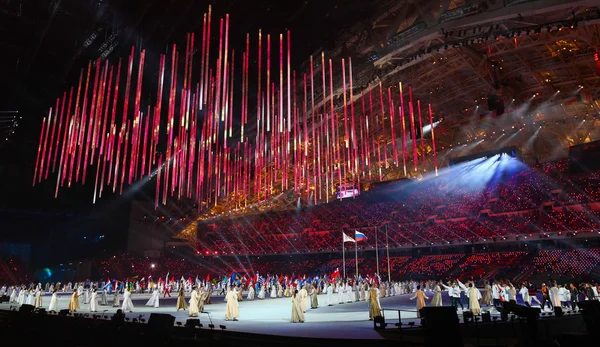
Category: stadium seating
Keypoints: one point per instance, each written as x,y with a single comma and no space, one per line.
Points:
541,199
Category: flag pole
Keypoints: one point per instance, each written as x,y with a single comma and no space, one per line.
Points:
356,256
343,256
376,251
387,246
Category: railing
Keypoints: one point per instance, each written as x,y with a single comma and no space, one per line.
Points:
399,311
463,11
508,3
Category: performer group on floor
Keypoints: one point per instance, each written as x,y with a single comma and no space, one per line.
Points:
302,293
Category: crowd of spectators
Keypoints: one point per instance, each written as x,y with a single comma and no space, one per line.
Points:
567,262
489,265
537,200
524,203
538,265
127,266
542,264
430,266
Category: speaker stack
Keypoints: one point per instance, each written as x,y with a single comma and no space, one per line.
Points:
441,326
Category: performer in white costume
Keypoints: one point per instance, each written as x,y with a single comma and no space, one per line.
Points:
103,298
340,291
54,301
28,297
329,294
250,295
193,309
94,301
303,294
297,314
13,295
348,293
154,299
127,304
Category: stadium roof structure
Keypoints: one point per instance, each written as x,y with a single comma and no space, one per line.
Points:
456,54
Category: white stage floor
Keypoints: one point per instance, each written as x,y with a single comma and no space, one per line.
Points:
272,316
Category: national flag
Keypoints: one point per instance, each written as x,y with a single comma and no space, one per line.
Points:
359,236
347,238
208,278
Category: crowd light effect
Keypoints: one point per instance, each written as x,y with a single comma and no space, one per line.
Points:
186,137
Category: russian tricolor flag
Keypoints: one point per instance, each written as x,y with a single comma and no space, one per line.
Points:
358,236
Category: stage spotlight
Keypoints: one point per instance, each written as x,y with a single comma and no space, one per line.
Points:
212,326
222,327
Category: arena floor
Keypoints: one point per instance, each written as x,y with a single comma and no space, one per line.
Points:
272,316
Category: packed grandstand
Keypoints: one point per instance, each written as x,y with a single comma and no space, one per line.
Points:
423,224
